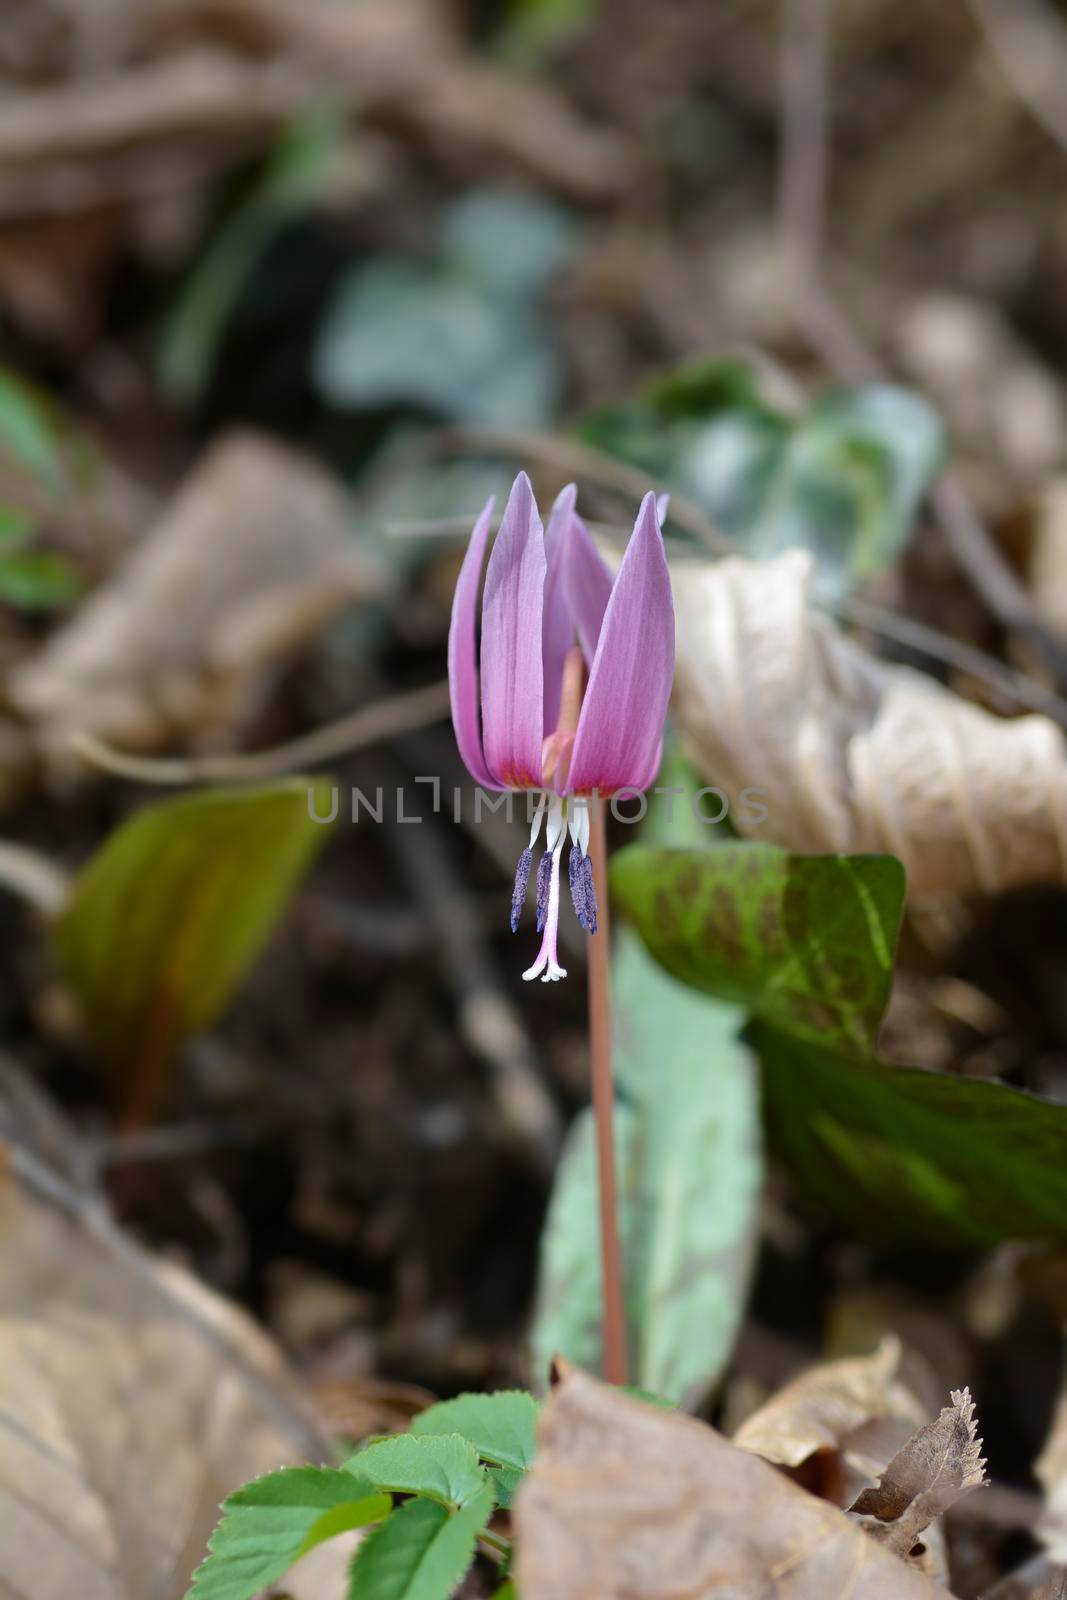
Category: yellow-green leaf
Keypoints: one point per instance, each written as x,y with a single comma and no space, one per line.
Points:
169,915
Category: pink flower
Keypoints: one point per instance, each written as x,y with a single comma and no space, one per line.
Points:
575,670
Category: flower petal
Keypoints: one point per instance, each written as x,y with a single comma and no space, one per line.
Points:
586,585
621,724
512,676
463,653
557,631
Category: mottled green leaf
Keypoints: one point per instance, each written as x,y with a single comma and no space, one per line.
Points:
400,333
270,1523
444,1467
421,1553
897,1155
806,941
173,909
843,479
849,483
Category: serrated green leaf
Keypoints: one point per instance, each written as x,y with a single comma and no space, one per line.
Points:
173,909
421,1552
270,1523
444,1467
506,1482
803,941
897,1155
501,1426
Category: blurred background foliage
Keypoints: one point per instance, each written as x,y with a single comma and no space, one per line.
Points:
287,288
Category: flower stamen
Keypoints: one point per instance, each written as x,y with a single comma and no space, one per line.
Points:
547,967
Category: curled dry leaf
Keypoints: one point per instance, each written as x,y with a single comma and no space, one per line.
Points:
850,754
249,561
1050,1470
132,1400
934,1469
661,1507
837,1424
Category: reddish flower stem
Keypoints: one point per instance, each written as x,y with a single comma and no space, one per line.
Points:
599,948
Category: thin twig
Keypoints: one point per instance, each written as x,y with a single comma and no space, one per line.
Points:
600,1054
802,213
370,725
938,646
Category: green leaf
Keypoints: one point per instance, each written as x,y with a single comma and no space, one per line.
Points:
458,335
37,580
270,1523
15,526
508,241
534,30
898,1156
844,479
401,333
805,941
28,429
500,1426
422,1552
850,482
687,1146
690,1169
173,909
287,182
649,1398
444,1467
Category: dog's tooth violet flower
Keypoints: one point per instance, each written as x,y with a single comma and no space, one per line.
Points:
575,669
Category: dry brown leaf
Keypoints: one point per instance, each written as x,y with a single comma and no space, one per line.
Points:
1050,1470
131,1402
249,561
934,1469
841,1420
659,1506
183,89
851,754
